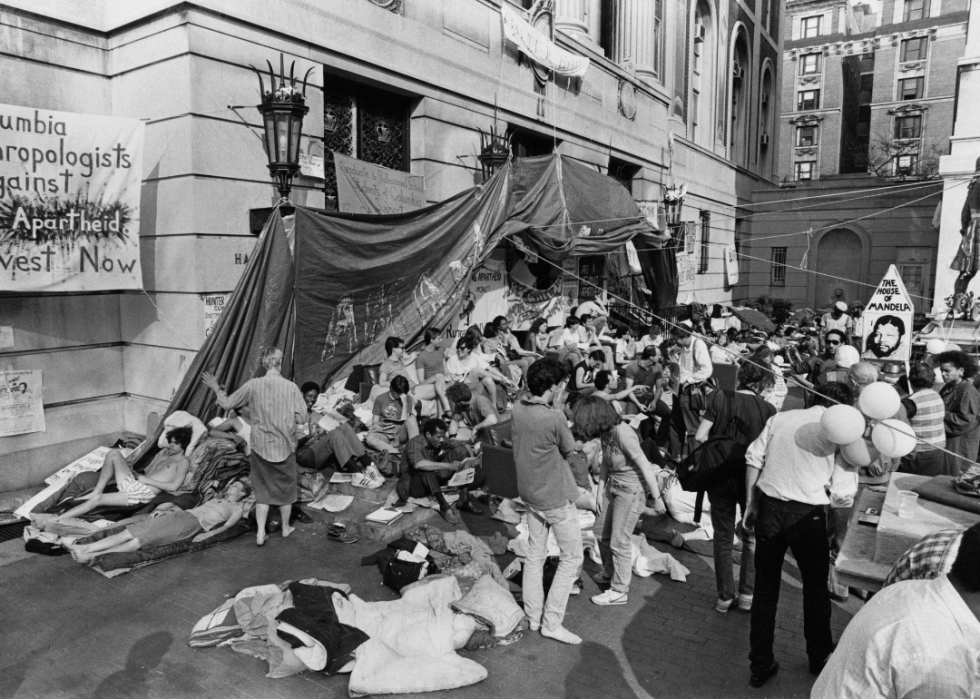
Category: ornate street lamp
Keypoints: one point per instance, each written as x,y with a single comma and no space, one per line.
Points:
494,151
283,108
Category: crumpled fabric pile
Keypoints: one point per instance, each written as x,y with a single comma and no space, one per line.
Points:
398,647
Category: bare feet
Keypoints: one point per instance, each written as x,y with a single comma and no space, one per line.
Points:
260,539
287,530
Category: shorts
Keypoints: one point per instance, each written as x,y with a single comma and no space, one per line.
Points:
168,529
138,493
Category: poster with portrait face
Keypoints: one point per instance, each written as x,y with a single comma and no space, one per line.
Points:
888,321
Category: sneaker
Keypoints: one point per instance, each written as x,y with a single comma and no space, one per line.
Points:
362,480
373,473
745,603
560,633
757,680
609,598
723,605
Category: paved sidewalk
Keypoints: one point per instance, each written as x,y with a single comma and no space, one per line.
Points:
69,632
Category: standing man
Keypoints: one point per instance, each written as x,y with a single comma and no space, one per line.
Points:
276,407
545,482
838,319
694,363
790,466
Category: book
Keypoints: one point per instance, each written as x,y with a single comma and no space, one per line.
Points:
339,477
383,516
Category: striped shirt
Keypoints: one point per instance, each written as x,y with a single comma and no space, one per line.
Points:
276,407
928,420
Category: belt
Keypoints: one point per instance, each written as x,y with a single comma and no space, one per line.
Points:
788,505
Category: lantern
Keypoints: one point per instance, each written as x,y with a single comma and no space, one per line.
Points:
283,108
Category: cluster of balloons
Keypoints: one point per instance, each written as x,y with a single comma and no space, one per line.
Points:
846,425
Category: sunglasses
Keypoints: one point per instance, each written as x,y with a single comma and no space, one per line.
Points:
833,342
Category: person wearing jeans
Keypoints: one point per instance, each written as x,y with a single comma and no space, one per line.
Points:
790,467
545,483
564,522
625,468
741,414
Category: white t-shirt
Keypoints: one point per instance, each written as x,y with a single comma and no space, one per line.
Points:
460,370
590,307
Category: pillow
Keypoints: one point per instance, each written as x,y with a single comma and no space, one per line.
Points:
180,418
491,604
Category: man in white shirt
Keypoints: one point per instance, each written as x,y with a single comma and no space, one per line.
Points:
790,466
918,638
838,319
694,363
593,307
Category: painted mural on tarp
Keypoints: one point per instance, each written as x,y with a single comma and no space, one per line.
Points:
69,201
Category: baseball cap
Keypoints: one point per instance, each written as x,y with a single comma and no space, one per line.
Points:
840,306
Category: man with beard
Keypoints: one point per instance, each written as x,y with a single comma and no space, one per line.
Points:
885,338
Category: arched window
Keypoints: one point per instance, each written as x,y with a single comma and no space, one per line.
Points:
766,110
738,150
703,42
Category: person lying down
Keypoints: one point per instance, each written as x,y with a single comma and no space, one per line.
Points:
167,526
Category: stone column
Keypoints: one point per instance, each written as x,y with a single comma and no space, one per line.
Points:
570,17
633,35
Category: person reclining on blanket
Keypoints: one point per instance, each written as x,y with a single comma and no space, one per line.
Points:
165,472
166,526
429,462
339,447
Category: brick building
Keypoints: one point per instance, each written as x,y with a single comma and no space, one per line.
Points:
868,103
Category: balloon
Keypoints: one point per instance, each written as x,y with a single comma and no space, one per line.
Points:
859,453
893,438
950,346
935,346
842,424
879,401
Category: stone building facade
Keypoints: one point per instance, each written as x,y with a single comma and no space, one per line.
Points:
678,85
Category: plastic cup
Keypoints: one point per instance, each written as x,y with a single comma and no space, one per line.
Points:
906,503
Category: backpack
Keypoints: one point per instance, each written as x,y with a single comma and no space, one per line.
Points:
713,461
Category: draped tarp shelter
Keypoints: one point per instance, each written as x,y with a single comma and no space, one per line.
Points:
328,287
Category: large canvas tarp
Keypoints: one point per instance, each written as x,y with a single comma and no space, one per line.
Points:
351,280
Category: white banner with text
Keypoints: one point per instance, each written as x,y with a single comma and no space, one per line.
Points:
69,201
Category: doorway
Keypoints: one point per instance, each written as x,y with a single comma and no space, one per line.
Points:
840,254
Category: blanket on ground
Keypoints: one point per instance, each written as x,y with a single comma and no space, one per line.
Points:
413,641
112,564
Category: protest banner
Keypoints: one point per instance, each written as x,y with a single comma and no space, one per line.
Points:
69,201
888,321
365,188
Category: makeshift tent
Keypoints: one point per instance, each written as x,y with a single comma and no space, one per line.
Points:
329,290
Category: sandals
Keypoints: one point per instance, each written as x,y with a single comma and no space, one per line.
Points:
337,531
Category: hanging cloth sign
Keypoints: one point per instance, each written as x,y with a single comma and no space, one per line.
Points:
365,188
69,201
888,320
539,47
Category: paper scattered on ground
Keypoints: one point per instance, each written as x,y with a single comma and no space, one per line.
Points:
383,516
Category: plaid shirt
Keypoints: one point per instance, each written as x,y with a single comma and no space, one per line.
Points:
930,557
